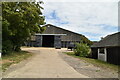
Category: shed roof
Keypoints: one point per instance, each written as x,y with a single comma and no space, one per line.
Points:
63,29
50,34
109,41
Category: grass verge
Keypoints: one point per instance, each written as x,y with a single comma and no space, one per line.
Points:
14,58
95,62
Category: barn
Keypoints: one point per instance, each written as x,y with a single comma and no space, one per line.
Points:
56,37
107,49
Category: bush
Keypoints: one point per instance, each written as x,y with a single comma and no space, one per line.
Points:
82,50
7,47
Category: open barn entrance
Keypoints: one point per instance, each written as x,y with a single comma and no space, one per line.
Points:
48,41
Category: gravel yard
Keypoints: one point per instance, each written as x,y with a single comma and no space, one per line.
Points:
53,63
86,68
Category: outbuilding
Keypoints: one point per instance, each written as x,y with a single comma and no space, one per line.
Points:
107,49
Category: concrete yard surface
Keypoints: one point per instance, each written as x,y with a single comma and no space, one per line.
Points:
46,63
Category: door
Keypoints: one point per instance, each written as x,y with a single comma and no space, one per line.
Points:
57,42
48,41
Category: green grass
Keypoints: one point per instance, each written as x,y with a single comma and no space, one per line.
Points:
95,62
14,58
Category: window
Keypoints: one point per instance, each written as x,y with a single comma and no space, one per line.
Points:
101,51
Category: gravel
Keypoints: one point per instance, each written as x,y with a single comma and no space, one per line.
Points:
86,68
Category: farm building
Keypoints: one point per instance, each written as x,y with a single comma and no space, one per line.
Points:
107,49
56,37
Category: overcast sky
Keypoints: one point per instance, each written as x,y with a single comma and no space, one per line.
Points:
88,17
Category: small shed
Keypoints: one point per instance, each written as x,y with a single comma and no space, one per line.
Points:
107,49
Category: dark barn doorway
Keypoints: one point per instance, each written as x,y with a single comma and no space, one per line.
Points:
48,41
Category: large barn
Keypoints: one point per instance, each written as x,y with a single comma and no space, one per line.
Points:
107,49
56,37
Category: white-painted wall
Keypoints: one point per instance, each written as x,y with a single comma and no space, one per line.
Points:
0,55
101,56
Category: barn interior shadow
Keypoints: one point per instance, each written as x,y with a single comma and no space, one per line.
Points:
48,41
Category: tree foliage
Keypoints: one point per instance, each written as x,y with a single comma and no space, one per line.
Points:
20,20
86,40
82,50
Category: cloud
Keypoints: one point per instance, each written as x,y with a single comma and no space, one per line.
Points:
81,0
88,18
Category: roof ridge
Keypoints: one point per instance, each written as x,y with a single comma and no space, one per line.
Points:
65,29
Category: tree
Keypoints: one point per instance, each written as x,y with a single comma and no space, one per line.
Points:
0,27
82,50
20,21
86,40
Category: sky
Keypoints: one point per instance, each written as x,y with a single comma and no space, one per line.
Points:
92,18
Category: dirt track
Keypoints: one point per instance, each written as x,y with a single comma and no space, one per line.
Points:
45,64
